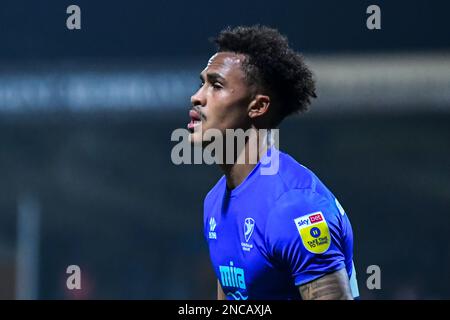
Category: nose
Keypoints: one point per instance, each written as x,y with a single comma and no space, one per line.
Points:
198,98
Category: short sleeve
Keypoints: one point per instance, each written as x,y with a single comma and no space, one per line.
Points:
304,233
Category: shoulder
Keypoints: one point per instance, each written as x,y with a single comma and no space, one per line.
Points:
297,202
215,191
294,183
295,175
210,201
297,211
303,191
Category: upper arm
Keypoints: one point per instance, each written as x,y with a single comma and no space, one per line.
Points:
306,235
332,286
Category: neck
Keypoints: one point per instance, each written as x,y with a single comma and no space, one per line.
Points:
244,163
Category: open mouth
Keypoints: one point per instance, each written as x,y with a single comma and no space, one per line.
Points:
195,120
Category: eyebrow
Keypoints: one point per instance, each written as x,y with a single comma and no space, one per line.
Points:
213,77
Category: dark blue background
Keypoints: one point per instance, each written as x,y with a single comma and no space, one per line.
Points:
145,29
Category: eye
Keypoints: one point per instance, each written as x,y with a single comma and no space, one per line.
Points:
201,84
217,85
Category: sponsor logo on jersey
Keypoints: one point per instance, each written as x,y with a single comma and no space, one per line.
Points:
233,281
314,232
316,218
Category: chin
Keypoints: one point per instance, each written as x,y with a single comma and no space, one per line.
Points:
196,138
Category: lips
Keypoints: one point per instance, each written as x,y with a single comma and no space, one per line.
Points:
194,115
195,119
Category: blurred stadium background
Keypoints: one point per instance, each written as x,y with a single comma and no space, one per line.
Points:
86,118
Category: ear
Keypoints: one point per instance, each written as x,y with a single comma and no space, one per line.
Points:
259,106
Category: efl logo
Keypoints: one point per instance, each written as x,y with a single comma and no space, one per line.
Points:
316,218
314,232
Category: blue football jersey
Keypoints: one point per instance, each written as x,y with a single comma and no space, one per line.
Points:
275,232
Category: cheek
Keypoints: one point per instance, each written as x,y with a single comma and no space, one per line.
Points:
217,108
225,111
230,118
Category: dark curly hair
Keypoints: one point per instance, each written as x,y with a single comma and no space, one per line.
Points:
271,65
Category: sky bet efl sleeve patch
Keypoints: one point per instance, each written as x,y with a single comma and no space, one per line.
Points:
314,232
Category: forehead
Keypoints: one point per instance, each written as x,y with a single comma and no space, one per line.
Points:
226,64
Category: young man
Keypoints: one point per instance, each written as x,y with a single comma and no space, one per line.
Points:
271,236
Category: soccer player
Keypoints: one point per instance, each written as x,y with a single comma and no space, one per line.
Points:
271,236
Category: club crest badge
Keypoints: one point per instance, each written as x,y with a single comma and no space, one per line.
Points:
249,226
